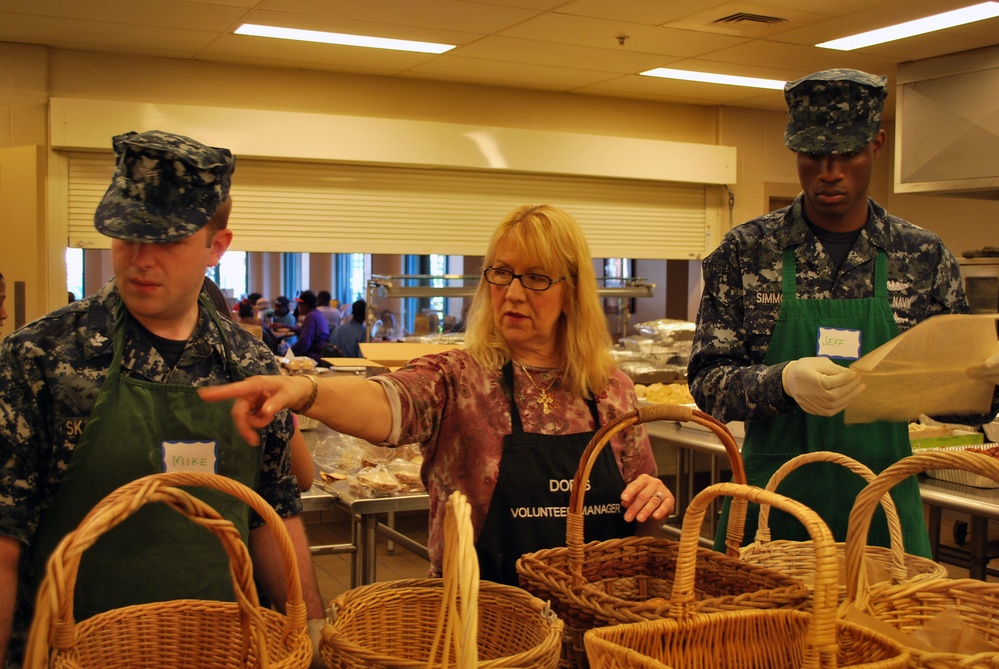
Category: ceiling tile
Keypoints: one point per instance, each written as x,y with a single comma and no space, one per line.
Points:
559,55
121,14
605,34
506,74
316,56
93,35
434,14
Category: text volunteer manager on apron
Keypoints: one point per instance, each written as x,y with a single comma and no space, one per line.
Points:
528,508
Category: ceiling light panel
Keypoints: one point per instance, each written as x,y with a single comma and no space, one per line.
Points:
957,17
342,39
711,78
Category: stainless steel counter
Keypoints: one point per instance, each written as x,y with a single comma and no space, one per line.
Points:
980,504
695,451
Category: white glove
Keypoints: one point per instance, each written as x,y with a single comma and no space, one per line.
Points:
987,371
820,386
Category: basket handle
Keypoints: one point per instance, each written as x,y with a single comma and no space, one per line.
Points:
898,570
458,618
643,414
54,626
822,645
859,523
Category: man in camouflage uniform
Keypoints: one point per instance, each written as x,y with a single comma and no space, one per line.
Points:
102,391
833,262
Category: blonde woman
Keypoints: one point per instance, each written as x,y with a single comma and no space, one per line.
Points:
505,420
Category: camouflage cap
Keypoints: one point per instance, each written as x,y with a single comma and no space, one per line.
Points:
165,187
833,111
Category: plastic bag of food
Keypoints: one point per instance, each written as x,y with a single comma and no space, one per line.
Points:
376,481
667,330
337,457
407,473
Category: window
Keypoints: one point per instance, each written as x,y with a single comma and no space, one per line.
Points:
230,274
74,272
351,277
616,270
438,267
291,274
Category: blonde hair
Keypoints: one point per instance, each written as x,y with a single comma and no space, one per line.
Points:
551,238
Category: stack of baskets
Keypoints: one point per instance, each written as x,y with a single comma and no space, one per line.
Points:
179,634
908,606
797,558
434,622
761,639
629,580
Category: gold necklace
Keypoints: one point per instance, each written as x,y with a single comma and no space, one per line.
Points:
546,401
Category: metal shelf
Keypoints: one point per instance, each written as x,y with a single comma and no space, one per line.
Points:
383,287
395,286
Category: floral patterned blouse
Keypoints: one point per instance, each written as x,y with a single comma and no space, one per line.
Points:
459,413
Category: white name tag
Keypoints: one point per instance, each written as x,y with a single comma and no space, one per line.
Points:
190,456
838,343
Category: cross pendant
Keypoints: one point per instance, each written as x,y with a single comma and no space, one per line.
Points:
547,402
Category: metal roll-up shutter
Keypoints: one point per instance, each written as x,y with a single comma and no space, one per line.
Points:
337,208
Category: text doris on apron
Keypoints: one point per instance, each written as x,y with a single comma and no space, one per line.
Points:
138,428
531,499
772,442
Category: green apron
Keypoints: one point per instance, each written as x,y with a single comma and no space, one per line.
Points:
828,488
137,428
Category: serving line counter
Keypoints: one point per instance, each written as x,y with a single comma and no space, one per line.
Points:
696,452
980,504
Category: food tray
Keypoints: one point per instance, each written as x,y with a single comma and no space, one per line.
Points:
961,476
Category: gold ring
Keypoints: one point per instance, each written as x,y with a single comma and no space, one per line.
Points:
659,495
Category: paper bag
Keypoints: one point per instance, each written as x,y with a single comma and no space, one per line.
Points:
923,371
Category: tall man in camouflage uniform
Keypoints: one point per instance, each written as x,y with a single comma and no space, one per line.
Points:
834,261
102,391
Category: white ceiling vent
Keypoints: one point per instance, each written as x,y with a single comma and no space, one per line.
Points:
745,19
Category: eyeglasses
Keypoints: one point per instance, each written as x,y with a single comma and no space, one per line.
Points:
530,281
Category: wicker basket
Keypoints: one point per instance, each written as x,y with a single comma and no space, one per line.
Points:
628,580
909,606
762,639
178,634
797,558
434,622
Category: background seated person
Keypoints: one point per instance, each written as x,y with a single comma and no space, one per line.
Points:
348,336
263,309
385,328
329,308
283,322
313,333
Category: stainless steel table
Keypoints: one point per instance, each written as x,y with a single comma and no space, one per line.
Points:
365,519
980,504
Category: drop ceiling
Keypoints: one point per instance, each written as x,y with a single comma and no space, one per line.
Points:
581,47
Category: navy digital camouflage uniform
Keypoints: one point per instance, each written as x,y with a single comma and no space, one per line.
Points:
165,187
51,372
742,296
835,111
